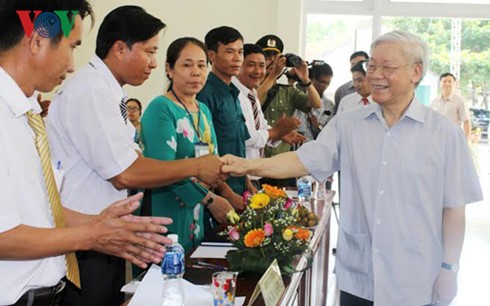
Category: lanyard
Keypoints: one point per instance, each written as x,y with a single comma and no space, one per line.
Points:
190,115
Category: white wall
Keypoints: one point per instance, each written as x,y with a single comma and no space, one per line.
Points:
253,18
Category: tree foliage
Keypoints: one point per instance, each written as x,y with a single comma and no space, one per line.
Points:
475,49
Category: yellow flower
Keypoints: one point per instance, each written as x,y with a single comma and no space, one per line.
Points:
232,217
287,234
274,192
254,238
259,200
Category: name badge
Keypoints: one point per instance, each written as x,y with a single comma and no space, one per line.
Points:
201,149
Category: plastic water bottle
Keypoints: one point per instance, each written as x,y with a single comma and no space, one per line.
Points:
320,190
173,268
304,188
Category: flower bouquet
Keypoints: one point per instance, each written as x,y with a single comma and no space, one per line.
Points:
266,230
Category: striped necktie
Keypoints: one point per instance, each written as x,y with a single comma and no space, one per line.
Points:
42,146
255,109
124,110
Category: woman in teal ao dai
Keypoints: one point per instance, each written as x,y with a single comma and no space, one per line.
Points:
176,126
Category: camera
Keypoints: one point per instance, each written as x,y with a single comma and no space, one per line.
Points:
292,60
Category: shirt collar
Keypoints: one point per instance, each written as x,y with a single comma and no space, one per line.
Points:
99,65
448,98
222,86
15,99
414,111
242,88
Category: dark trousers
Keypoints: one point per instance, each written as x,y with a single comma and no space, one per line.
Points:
347,299
102,277
50,296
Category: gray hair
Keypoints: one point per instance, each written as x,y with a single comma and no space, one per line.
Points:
415,48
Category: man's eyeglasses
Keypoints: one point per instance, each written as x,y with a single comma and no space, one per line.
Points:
133,109
387,71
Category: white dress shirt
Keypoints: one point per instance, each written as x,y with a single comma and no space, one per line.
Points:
395,184
352,100
23,191
89,137
258,138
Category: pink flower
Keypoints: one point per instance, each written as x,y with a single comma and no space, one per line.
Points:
288,203
268,229
246,195
233,234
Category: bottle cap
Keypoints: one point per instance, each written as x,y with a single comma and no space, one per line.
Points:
173,237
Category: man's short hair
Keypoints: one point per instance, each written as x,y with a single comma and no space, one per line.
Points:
415,48
221,35
359,67
319,70
251,49
357,54
130,24
446,74
12,30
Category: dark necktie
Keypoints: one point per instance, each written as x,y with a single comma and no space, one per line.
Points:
365,101
255,109
124,110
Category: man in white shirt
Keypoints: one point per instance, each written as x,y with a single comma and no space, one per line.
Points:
451,104
251,74
348,87
404,186
92,139
35,231
362,96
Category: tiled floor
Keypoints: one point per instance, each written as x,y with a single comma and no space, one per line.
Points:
473,284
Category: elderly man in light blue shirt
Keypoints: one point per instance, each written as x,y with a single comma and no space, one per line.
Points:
406,175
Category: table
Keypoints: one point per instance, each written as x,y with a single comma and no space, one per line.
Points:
306,288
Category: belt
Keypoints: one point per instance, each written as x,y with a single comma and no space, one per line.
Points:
43,296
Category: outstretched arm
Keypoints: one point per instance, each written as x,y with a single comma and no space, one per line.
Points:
284,165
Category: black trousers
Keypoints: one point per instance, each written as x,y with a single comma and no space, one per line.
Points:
347,299
102,277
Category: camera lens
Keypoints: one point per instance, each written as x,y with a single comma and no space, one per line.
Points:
292,60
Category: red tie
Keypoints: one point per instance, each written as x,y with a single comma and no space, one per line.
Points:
365,101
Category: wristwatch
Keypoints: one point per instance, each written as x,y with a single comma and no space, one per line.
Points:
210,200
453,268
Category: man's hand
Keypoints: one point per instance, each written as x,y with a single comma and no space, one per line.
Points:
294,138
234,165
302,72
285,125
314,121
137,239
209,170
445,288
277,66
219,208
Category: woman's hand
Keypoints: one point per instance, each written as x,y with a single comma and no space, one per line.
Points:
219,208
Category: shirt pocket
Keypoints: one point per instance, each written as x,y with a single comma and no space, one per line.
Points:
227,128
354,252
420,180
